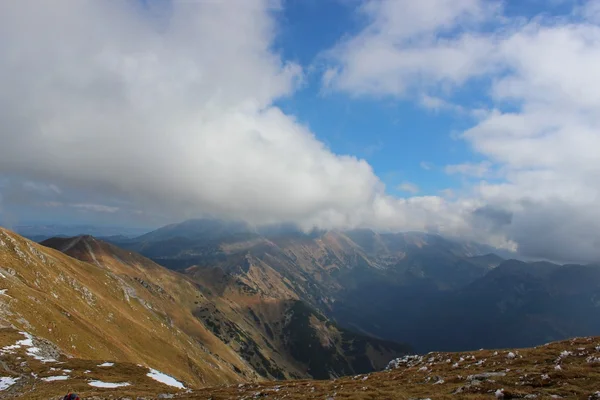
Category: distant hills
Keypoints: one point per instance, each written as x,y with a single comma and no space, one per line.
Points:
273,295
406,287
38,232
240,304
94,300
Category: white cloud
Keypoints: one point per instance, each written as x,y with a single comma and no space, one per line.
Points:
542,130
426,165
591,10
406,45
436,103
478,170
409,187
174,112
88,207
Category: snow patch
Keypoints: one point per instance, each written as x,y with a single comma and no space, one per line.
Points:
56,378
6,382
32,351
165,379
108,385
106,364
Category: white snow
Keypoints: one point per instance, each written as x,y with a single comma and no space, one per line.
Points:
163,378
510,355
55,378
106,364
26,342
499,393
3,292
108,385
558,368
6,382
32,351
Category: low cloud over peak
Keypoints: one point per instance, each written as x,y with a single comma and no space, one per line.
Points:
174,112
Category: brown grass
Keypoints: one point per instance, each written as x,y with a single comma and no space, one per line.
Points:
578,378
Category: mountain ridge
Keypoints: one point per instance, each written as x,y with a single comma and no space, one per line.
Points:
386,285
232,311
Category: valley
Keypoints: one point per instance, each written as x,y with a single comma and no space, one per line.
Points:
403,287
244,306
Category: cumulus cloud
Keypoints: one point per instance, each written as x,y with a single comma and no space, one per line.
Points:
173,111
540,129
409,187
407,44
478,170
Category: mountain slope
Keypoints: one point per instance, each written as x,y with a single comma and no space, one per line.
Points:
404,287
521,304
271,333
89,311
32,368
359,278
568,369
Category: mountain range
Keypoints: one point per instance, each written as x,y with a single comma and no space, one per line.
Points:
93,300
210,302
403,287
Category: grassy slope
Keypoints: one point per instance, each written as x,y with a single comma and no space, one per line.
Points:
531,373
90,312
253,314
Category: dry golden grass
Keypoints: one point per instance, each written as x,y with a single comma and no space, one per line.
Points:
525,375
30,373
94,310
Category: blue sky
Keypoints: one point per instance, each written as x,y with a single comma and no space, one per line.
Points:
394,135
470,118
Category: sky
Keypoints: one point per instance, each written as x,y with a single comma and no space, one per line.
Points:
475,119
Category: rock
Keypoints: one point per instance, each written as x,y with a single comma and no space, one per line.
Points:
485,375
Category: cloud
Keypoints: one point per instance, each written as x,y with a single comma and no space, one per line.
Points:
494,218
409,187
540,128
161,112
406,45
173,112
87,207
438,104
426,165
478,170
591,11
